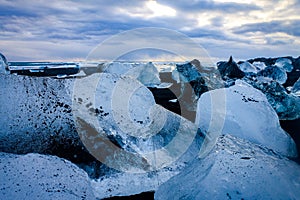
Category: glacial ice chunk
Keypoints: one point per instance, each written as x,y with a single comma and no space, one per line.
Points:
187,72
117,68
287,106
230,69
146,73
259,65
35,176
275,73
125,111
235,169
248,115
35,114
248,67
194,80
3,65
284,63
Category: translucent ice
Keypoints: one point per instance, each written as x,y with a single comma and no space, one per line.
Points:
187,72
284,63
259,65
275,73
248,67
117,67
35,176
287,106
248,115
235,169
3,64
146,73
126,112
195,79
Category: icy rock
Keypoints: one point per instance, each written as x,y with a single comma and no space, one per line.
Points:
288,64
259,65
195,79
187,72
284,63
296,88
190,78
3,65
248,67
235,169
287,106
35,176
294,75
126,184
230,69
36,114
289,88
125,111
275,73
145,73
117,67
193,71
164,85
152,143
166,68
88,68
267,61
246,114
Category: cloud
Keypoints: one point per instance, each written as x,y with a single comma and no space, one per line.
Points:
290,27
150,55
68,29
44,50
208,5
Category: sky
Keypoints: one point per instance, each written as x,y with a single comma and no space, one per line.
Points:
40,30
